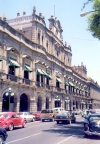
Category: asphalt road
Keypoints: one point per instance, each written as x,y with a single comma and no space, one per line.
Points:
50,133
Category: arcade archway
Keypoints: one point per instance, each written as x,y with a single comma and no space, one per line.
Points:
47,103
24,103
39,104
57,103
76,105
8,105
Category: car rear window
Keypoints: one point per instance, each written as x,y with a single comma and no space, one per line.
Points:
47,111
20,113
4,115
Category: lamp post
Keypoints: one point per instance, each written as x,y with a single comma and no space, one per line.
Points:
86,13
9,93
90,105
67,101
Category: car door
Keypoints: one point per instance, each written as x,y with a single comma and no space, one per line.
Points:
14,120
26,116
18,119
29,116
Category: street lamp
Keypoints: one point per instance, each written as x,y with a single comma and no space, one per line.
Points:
9,93
86,13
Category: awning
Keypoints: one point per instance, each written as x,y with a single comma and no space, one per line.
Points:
86,91
77,88
39,71
83,90
27,68
13,63
44,73
1,59
49,76
58,80
66,83
71,84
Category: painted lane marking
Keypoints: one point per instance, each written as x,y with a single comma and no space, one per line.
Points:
23,138
65,140
37,125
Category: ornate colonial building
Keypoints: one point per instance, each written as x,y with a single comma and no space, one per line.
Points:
36,65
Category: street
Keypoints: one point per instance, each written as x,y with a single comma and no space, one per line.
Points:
50,133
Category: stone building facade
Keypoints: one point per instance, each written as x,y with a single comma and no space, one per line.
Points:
36,65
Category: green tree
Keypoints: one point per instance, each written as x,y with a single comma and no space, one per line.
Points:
87,2
94,19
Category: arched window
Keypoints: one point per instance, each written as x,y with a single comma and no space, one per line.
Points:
42,39
38,38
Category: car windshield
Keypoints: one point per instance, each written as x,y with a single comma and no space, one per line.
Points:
94,117
4,115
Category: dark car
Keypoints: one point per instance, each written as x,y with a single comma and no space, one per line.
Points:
92,127
3,135
65,117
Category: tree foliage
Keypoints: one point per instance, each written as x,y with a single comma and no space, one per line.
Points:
87,2
94,19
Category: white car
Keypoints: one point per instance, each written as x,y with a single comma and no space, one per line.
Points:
58,109
27,116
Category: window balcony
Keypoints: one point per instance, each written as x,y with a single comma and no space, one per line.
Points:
48,87
40,84
27,81
12,77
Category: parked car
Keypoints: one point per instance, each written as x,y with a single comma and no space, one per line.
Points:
76,112
3,135
10,120
37,115
48,114
92,127
28,117
58,109
65,117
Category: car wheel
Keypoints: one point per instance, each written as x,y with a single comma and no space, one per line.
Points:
69,122
42,120
52,119
1,139
74,120
11,127
33,120
57,122
24,125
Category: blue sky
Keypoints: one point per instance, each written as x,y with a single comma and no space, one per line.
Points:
85,48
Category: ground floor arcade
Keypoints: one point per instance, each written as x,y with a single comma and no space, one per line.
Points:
24,102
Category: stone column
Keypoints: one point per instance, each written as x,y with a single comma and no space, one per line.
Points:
50,106
43,105
33,106
62,103
17,104
52,103
5,61
53,77
20,70
34,71
1,99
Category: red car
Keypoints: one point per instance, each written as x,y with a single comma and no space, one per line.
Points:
10,120
37,115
